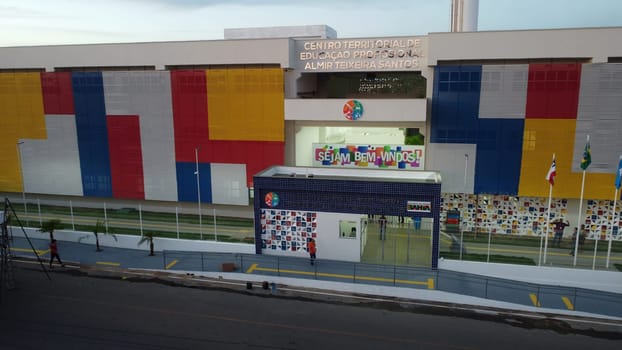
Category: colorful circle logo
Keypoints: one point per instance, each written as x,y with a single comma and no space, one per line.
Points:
353,110
271,199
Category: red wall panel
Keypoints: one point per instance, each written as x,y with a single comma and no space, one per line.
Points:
126,161
553,91
57,93
189,90
257,155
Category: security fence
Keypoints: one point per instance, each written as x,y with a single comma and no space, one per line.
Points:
490,288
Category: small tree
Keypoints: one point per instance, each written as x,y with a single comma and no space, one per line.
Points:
97,229
51,225
147,237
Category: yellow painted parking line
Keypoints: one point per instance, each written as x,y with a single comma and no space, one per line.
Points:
109,263
429,283
252,268
39,252
171,264
534,299
568,303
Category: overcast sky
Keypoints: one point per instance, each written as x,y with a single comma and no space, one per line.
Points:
41,22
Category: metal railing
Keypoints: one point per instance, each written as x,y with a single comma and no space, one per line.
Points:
490,288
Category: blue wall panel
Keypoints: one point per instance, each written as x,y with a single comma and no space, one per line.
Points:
499,154
455,104
88,92
187,182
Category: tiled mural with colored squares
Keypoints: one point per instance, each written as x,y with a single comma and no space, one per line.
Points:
287,230
526,215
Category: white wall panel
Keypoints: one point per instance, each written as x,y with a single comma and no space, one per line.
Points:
229,184
374,110
52,166
148,95
504,91
599,113
449,159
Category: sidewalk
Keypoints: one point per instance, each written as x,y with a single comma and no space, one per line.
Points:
84,256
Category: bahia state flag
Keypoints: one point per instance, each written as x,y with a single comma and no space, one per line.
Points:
550,176
587,155
619,174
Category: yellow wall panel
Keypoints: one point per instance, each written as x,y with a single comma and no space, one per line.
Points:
21,117
245,104
542,138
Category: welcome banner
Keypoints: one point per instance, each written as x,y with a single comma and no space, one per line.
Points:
369,156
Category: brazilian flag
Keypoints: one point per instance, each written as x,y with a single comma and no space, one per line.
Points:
587,156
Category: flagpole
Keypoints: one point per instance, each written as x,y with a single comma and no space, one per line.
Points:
595,249
548,224
585,162
613,221
579,231
618,183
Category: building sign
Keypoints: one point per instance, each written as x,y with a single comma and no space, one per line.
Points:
353,110
418,207
369,156
272,199
346,55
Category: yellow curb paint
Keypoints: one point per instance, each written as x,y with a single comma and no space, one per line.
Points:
534,299
171,264
27,250
109,263
252,268
568,303
429,283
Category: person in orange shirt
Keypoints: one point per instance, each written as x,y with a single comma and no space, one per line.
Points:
54,253
312,250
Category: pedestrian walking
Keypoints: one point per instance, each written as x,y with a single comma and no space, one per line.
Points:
312,250
54,253
383,226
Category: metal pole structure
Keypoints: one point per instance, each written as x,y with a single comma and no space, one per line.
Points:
73,225
177,220
466,166
579,231
613,221
196,158
21,169
140,218
215,232
489,238
548,224
595,249
39,209
105,217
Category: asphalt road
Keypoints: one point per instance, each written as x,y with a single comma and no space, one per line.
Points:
73,311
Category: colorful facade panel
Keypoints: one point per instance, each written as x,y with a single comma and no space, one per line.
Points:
88,92
132,134
543,137
52,165
246,104
147,94
57,93
21,117
553,91
562,103
126,163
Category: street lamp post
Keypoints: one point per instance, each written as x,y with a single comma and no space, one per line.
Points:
21,169
196,158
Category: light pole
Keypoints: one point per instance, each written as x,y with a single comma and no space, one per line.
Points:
21,169
196,159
